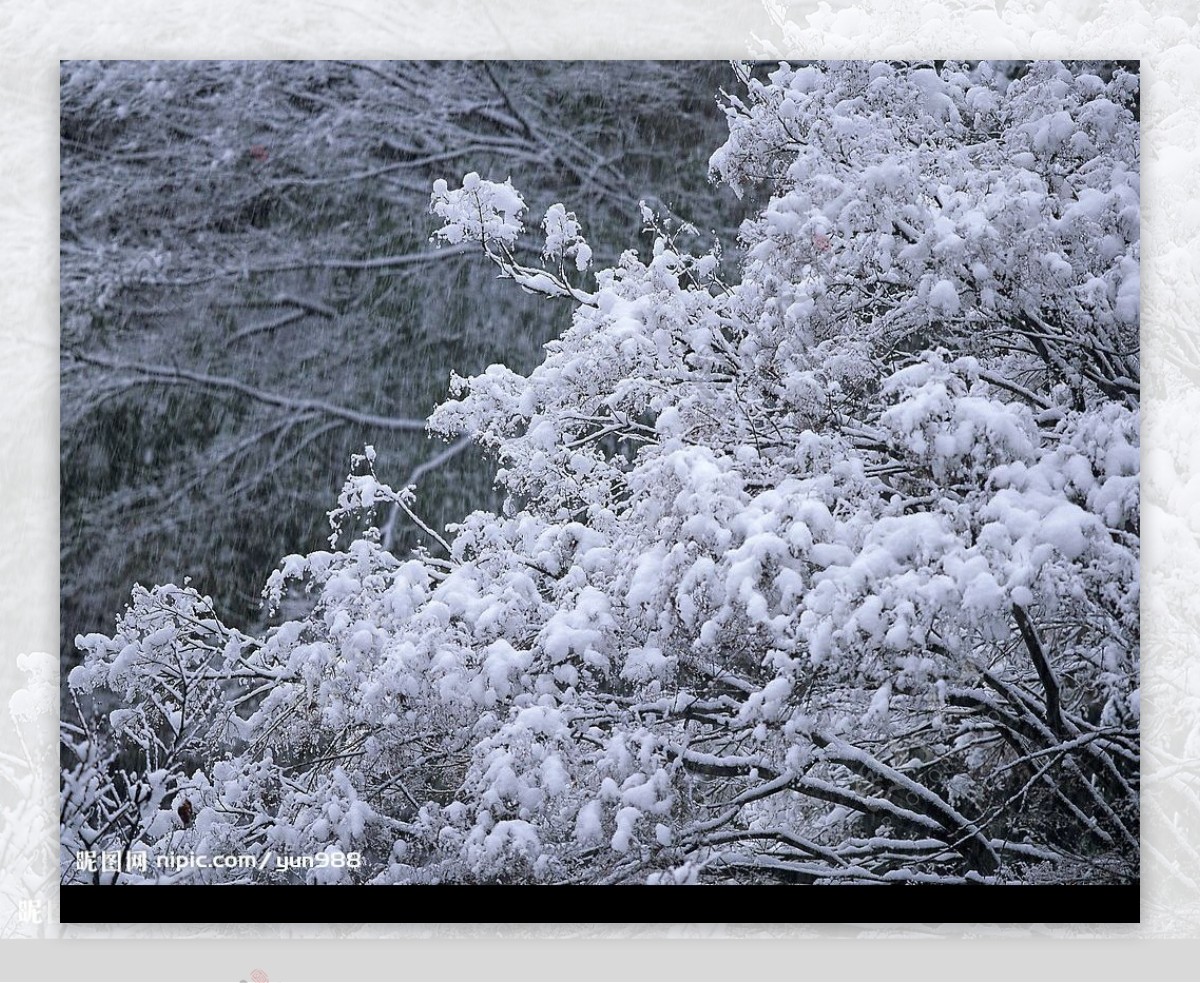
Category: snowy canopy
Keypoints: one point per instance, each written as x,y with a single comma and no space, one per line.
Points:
819,559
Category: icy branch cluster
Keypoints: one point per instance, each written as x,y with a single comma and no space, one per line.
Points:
822,567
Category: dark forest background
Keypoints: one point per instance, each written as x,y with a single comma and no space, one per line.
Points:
249,294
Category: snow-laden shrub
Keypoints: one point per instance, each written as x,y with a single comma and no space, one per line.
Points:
825,570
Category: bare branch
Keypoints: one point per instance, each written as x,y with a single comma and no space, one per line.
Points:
1033,644
181,376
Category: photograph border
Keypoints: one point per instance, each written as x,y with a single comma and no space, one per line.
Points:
1153,30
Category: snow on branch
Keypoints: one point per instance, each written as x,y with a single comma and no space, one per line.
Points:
490,214
179,376
820,569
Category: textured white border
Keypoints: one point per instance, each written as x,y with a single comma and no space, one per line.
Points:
1162,33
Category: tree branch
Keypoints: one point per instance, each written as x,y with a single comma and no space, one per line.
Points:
181,376
1033,644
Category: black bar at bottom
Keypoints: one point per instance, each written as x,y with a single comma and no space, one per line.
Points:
524,904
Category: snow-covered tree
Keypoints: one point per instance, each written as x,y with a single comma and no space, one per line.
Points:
826,572
246,289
